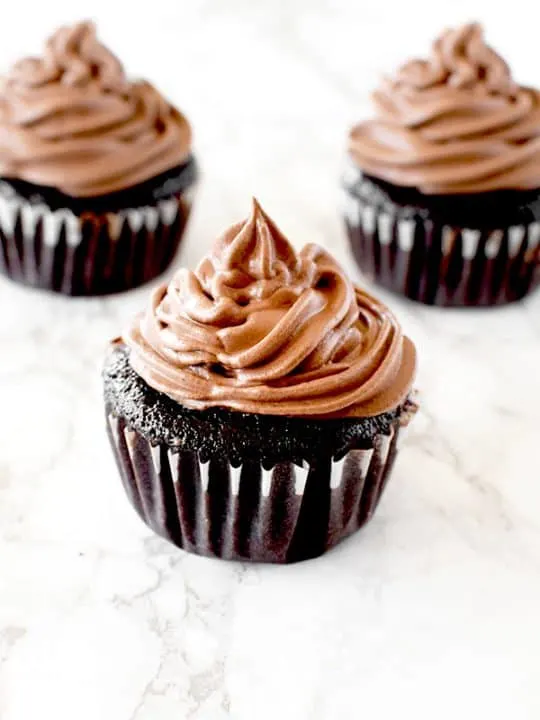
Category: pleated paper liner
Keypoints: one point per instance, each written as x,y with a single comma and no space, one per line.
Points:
441,264
280,514
90,253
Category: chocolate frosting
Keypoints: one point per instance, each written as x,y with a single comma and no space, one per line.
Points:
261,329
455,123
73,121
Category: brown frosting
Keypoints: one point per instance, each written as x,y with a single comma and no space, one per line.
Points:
455,123
72,120
261,329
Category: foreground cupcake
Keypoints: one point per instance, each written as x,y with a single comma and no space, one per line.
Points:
95,171
254,408
443,195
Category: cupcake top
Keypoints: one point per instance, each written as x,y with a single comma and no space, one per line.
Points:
260,328
73,121
455,123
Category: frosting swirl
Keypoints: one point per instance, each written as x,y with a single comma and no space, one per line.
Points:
455,123
261,329
72,120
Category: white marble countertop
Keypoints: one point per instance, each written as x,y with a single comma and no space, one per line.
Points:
433,609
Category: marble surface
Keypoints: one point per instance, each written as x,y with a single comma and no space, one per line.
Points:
433,609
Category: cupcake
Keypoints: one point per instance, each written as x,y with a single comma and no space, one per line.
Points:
96,171
443,189
254,408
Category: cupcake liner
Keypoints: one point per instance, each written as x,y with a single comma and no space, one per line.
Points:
89,253
280,514
437,263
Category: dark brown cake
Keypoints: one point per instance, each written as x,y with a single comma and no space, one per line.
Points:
444,250
198,477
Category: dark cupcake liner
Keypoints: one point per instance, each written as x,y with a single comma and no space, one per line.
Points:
92,253
437,263
280,514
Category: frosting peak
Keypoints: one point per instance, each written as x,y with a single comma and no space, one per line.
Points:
74,57
72,120
460,59
260,328
454,123
255,248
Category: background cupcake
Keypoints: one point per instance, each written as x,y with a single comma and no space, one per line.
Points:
254,408
96,171
443,200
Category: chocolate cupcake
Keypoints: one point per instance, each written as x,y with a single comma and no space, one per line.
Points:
254,408
443,190
96,171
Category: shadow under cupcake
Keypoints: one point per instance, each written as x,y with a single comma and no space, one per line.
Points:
96,171
443,187
254,408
